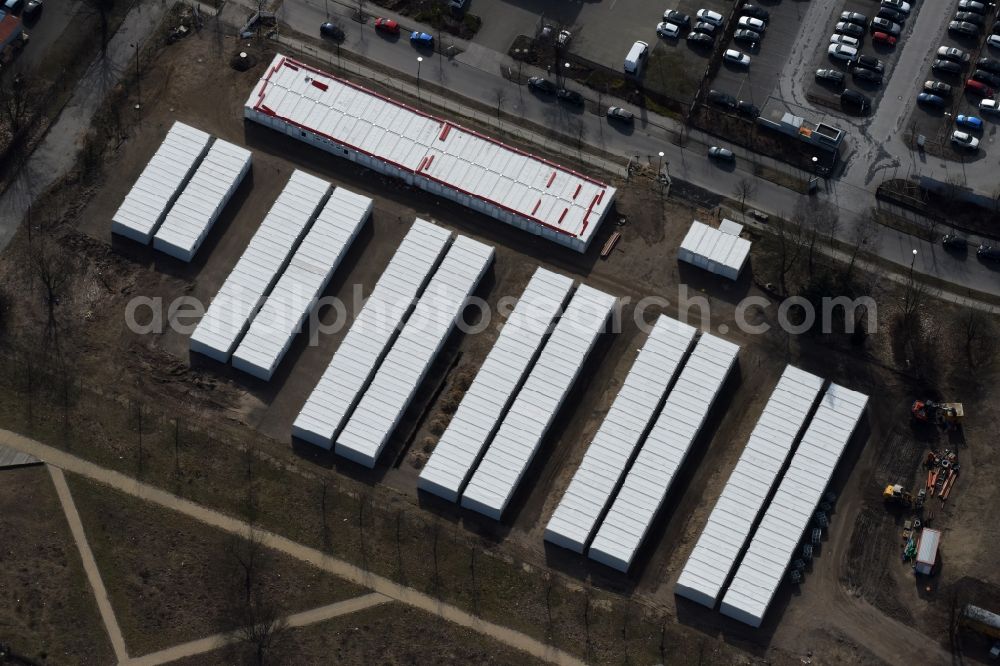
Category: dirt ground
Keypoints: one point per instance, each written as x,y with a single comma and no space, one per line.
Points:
47,613
883,613
183,593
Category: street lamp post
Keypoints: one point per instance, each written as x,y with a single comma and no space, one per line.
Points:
659,169
913,261
138,89
419,60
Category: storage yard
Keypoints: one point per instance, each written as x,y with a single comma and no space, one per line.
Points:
681,466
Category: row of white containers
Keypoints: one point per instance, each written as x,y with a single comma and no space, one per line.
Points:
181,192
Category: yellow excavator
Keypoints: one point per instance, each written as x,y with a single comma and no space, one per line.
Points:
940,413
897,494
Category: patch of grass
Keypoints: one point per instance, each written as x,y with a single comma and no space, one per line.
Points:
47,609
170,577
669,74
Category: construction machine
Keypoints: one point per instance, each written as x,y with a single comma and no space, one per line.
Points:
939,413
897,494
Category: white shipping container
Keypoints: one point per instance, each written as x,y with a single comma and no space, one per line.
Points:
307,275
199,205
620,435
414,351
154,191
372,332
499,379
714,250
259,267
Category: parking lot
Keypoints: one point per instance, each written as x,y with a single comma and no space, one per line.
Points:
767,60
828,92
936,125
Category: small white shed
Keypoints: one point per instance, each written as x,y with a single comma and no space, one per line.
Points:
720,251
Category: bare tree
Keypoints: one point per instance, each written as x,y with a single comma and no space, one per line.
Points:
914,294
789,248
259,623
102,10
52,271
501,96
864,232
817,220
745,189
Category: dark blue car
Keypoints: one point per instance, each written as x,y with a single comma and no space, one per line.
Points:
421,39
971,122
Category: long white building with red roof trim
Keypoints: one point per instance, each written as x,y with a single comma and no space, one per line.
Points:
431,153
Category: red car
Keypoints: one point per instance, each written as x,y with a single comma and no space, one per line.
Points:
884,38
387,26
979,88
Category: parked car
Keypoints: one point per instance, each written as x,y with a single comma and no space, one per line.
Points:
32,10
988,78
953,241
705,28
721,154
747,109
700,39
722,99
963,28
989,106
747,37
332,31
993,41
996,27
951,53
971,6
869,62
884,38
898,5
621,115
842,52
854,17
830,76
852,29
570,97
989,64
964,140
668,30
677,18
978,88
855,99
869,75
542,85
885,25
972,122
969,17
937,88
891,14
751,23
844,39
387,26
709,16
736,57
421,39
756,12
931,100
12,6
946,67
988,252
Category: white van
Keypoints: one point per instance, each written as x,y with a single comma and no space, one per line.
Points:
636,58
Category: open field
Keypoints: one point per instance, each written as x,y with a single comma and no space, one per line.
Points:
140,405
47,609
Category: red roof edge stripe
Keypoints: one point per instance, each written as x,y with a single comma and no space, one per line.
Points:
551,178
259,106
444,132
319,84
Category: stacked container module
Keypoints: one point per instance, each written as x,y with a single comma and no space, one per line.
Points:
366,343
791,510
414,351
147,203
199,205
622,431
746,492
658,463
535,408
258,268
496,384
715,250
294,296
